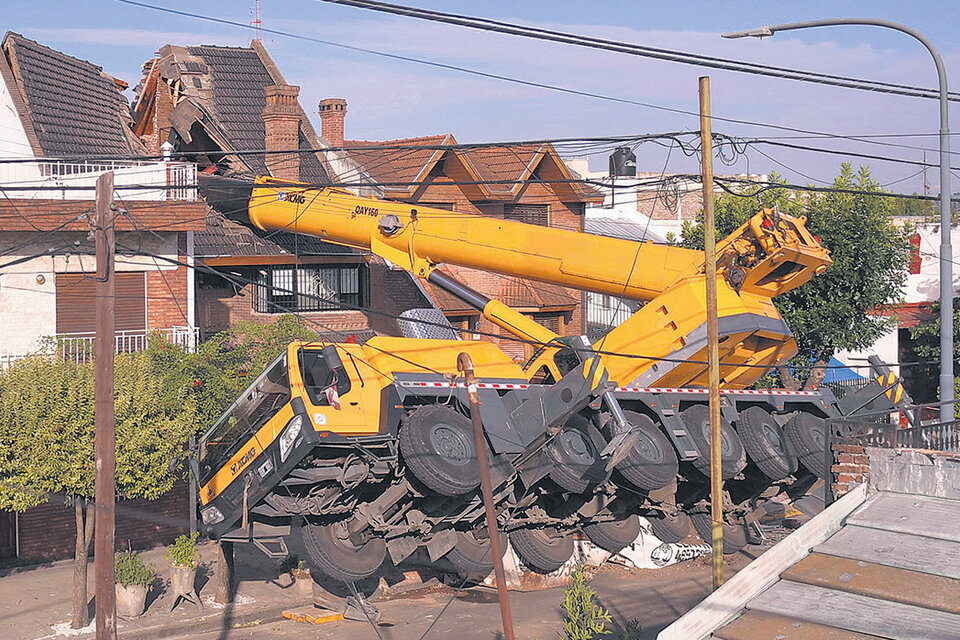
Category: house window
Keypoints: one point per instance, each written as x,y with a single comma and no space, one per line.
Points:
552,321
296,289
76,314
529,213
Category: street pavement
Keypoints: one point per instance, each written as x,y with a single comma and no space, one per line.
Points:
35,603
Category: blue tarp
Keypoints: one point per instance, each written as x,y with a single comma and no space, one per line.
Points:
838,372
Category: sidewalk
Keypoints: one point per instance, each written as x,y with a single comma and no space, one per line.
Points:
35,601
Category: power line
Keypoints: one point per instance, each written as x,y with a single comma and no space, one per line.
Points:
503,77
498,26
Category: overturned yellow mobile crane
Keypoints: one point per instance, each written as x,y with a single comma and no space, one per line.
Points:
370,448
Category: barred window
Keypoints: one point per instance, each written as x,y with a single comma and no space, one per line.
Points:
296,289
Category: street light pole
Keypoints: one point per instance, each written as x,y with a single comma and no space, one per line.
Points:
946,249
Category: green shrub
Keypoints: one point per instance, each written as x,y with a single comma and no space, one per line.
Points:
129,568
183,552
585,618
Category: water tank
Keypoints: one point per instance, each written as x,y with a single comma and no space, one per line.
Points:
623,162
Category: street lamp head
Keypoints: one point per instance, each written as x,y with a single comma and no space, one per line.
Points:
749,33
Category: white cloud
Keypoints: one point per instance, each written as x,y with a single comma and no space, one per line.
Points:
133,37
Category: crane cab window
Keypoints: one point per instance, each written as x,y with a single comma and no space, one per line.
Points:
320,373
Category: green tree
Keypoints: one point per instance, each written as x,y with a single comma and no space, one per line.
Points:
163,396
47,441
834,310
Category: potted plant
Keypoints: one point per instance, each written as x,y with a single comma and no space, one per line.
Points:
300,574
133,578
184,558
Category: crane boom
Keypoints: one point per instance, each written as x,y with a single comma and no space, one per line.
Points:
768,255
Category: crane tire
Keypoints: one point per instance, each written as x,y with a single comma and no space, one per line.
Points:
669,528
765,443
652,462
472,557
574,455
336,557
542,550
734,536
613,536
806,434
438,448
733,456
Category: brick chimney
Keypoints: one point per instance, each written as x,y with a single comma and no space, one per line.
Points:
281,123
332,112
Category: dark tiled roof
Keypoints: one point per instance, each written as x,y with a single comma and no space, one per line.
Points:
239,78
76,110
227,238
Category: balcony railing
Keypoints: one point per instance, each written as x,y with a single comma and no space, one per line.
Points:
76,180
80,347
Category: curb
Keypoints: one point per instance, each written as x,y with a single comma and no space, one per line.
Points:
239,617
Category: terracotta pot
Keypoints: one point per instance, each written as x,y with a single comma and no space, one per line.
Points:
182,580
131,600
303,581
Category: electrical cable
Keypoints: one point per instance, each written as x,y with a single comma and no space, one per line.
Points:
501,77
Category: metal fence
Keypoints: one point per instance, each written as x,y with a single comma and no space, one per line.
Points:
76,180
80,347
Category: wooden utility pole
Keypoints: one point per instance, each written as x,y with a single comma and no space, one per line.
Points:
465,365
105,439
713,331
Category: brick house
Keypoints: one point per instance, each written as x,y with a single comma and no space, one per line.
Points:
528,183
219,105
66,122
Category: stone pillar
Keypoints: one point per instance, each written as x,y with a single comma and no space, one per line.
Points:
281,122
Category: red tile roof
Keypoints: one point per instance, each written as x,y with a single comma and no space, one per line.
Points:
398,166
47,215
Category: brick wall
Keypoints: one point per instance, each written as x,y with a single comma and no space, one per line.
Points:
167,300
219,308
392,291
852,467
158,129
48,532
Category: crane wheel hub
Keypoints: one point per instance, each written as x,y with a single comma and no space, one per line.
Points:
451,444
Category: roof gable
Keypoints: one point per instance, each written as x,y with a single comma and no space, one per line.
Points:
74,109
400,169
499,171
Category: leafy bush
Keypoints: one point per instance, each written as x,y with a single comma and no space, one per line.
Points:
129,568
585,618
183,552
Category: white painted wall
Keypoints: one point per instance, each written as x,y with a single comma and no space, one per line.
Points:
925,286
28,306
13,137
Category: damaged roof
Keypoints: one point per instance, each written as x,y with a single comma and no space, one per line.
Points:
222,89
71,107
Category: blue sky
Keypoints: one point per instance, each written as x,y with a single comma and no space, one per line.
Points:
393,99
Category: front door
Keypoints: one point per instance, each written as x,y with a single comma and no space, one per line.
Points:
8,534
